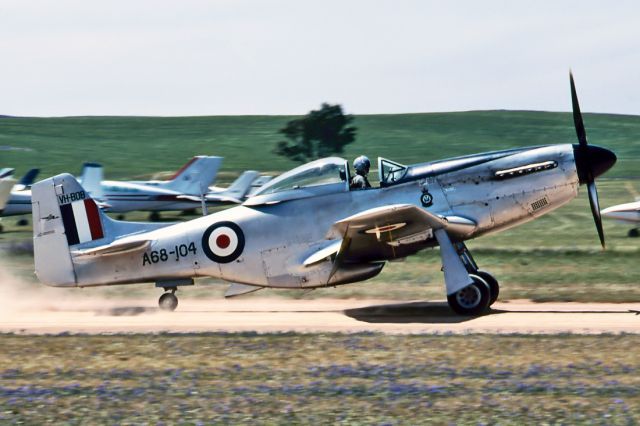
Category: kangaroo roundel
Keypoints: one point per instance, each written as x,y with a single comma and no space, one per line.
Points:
223,242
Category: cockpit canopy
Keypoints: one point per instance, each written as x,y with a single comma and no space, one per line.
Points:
324,176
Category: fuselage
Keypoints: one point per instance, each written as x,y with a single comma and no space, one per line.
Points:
19,202
495,190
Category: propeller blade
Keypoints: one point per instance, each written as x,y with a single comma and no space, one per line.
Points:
577,115
595,210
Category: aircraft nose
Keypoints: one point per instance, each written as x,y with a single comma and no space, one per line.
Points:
597,160
601,160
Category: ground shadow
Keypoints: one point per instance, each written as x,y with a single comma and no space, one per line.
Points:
412,312
125,311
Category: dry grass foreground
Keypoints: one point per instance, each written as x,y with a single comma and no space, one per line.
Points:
319,379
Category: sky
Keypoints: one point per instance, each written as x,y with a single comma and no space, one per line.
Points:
238,57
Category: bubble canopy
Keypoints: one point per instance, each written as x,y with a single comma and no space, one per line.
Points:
322,176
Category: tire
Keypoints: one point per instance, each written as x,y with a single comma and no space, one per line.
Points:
471,300
168,302
154,217
633,233
494,287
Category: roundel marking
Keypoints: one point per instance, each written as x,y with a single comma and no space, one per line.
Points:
426,199
223,242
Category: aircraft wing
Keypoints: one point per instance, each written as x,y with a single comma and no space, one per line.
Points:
389,232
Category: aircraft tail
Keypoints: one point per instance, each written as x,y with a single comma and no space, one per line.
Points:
91,178
29,177
68,222
64,215
241,186
195,177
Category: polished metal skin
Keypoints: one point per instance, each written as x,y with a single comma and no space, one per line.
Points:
307,229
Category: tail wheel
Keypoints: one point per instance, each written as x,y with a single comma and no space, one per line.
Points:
471,300
494,287
168,302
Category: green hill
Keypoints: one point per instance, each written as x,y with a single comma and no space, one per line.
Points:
140,146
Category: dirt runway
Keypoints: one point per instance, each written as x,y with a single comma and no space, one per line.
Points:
321,315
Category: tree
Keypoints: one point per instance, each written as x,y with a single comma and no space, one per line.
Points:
318,134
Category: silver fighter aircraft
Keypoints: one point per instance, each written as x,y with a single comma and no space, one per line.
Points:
307,229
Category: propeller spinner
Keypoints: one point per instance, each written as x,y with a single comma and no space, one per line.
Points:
591,161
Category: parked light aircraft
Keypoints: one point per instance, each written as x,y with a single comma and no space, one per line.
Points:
628,213
181,192
19,201
306,229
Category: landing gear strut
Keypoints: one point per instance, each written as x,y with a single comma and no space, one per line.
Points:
168,301
477,275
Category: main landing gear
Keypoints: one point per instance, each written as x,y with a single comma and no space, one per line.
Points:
478,296
633,233
168,301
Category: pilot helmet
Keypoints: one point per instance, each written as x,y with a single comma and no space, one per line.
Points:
362,164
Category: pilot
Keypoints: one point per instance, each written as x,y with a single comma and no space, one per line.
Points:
360,181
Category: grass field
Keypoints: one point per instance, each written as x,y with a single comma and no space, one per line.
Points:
319,379
554,258
140,146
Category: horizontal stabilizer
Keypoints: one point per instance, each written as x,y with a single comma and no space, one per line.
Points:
236,289
113,249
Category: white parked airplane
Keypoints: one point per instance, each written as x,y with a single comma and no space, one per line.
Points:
19,201
178,193
184,191
627,213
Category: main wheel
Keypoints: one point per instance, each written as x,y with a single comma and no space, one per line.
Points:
168,302
471,300
154,217
633,233
494,287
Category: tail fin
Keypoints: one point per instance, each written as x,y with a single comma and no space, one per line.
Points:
64,215
241,186
195,177
91,178
69,232
29,177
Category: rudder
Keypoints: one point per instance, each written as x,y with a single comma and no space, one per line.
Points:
64,215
